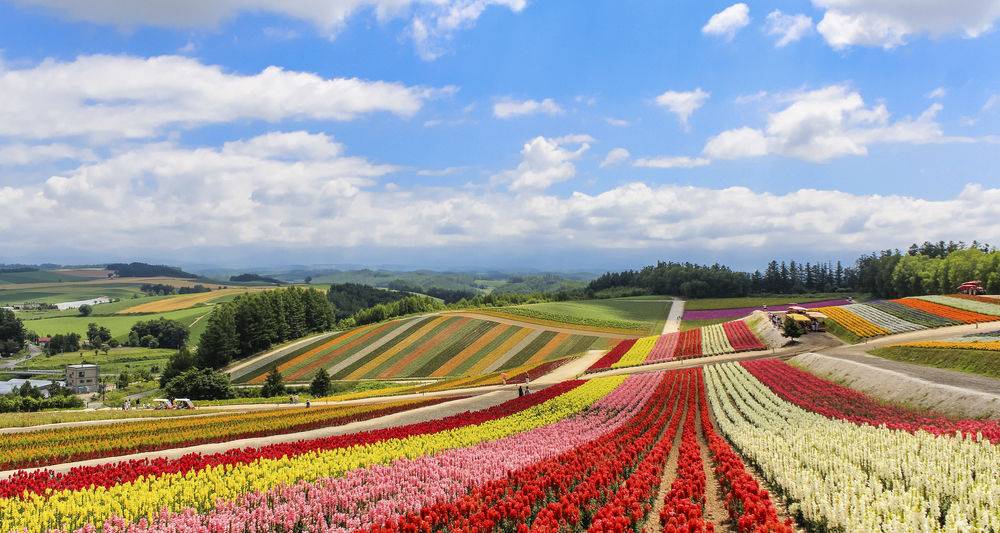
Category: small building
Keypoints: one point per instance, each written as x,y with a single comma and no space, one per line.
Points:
43,341
83,378
12,386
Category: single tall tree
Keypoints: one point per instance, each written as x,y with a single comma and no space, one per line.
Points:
321,384
274,384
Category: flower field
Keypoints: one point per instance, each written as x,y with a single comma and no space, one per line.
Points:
578,456
877,318
717,339
843,476
979,341
433,346
968,304
50,446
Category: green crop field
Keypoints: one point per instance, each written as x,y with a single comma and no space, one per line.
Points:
431,346
645,315
68,292
757,301
37,276
118,324
116,360
982,362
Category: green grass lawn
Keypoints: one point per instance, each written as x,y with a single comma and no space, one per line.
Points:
68,292
116,360
757,301
118,324
835,329
695,324
982,362
647,314
37,276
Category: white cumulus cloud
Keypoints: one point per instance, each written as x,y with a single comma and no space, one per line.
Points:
683,103
545,161
889,23
615,156
509,108
728,22
109,97
432,22
824,124
787,28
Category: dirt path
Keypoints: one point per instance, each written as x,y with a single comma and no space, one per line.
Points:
669,471
673,322
558,329
946,391
408,417
715,507
570,370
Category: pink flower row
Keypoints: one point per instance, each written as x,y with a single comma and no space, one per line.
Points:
373,495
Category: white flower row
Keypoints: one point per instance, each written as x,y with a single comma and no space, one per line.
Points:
961,303
714,340
882,319
840,476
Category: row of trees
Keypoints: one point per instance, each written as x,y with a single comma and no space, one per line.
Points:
405,306
923,269
349,298
686,279
892,274
163,289
255,321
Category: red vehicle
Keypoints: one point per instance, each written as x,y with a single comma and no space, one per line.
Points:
972,287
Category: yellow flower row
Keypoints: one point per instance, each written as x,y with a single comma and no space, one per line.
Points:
145,497
852,322
50,446
638,353
992,346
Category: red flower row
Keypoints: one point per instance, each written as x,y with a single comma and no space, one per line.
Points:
748,503
109,474
634,499
834,401
682,507
741,338
560,493
612,356
689,344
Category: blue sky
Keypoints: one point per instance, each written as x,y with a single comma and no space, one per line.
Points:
508,133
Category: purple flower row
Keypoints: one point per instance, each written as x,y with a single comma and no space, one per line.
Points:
740,312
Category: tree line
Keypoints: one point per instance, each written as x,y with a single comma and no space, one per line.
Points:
146,270
255,321
923,269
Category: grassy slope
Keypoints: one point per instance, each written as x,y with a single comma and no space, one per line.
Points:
841,333
118,324
982,362
651,313
116,360
695,324
757,301
68,292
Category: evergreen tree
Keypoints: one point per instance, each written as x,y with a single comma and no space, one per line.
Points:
321,384
219,343
274,384
180,362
